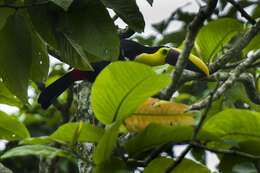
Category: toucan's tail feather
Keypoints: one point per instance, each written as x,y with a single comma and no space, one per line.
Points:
54,90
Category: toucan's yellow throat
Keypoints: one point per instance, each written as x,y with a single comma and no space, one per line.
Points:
170,56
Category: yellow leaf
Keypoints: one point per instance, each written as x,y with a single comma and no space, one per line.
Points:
159,111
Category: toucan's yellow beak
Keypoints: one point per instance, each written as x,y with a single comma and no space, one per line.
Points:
194,63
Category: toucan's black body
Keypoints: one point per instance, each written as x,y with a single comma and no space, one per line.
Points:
128,50
59,86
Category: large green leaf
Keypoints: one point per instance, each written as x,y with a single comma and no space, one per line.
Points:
4,13
71,53
65,4
12,129
89,133
106,143
121,87
237,125
212,37
15,55
94,30
159,165
128,11
52,24
40,59
45,22
43,150
6,97
156,134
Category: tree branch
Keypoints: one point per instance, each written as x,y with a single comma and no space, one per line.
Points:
229,152
233,76
125,33
242,11
240,45
194,135
179,159
193,30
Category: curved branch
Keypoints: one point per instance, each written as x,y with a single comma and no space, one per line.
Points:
233,77
242,11
193,30
240,45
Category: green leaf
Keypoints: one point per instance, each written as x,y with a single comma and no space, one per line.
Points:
256,12
106,143
11,129
113,165
253,45
37,140
121,87
71,53
236,164
40,59
42,150
215,35
4,13
45,22
6,97
97,33
152,137
89,133
15,55
159,165
128,11
232,124
65,4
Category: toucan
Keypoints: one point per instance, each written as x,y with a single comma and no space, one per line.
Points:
129,50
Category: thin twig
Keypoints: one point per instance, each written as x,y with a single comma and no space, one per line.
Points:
240,45
233,65
198,127
242,11
179,159
256,165
194,134
115,17
233,77
229,152
126,33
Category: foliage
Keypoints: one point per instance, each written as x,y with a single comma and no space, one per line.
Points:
79,32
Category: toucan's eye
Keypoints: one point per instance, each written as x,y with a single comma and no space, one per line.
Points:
164,51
